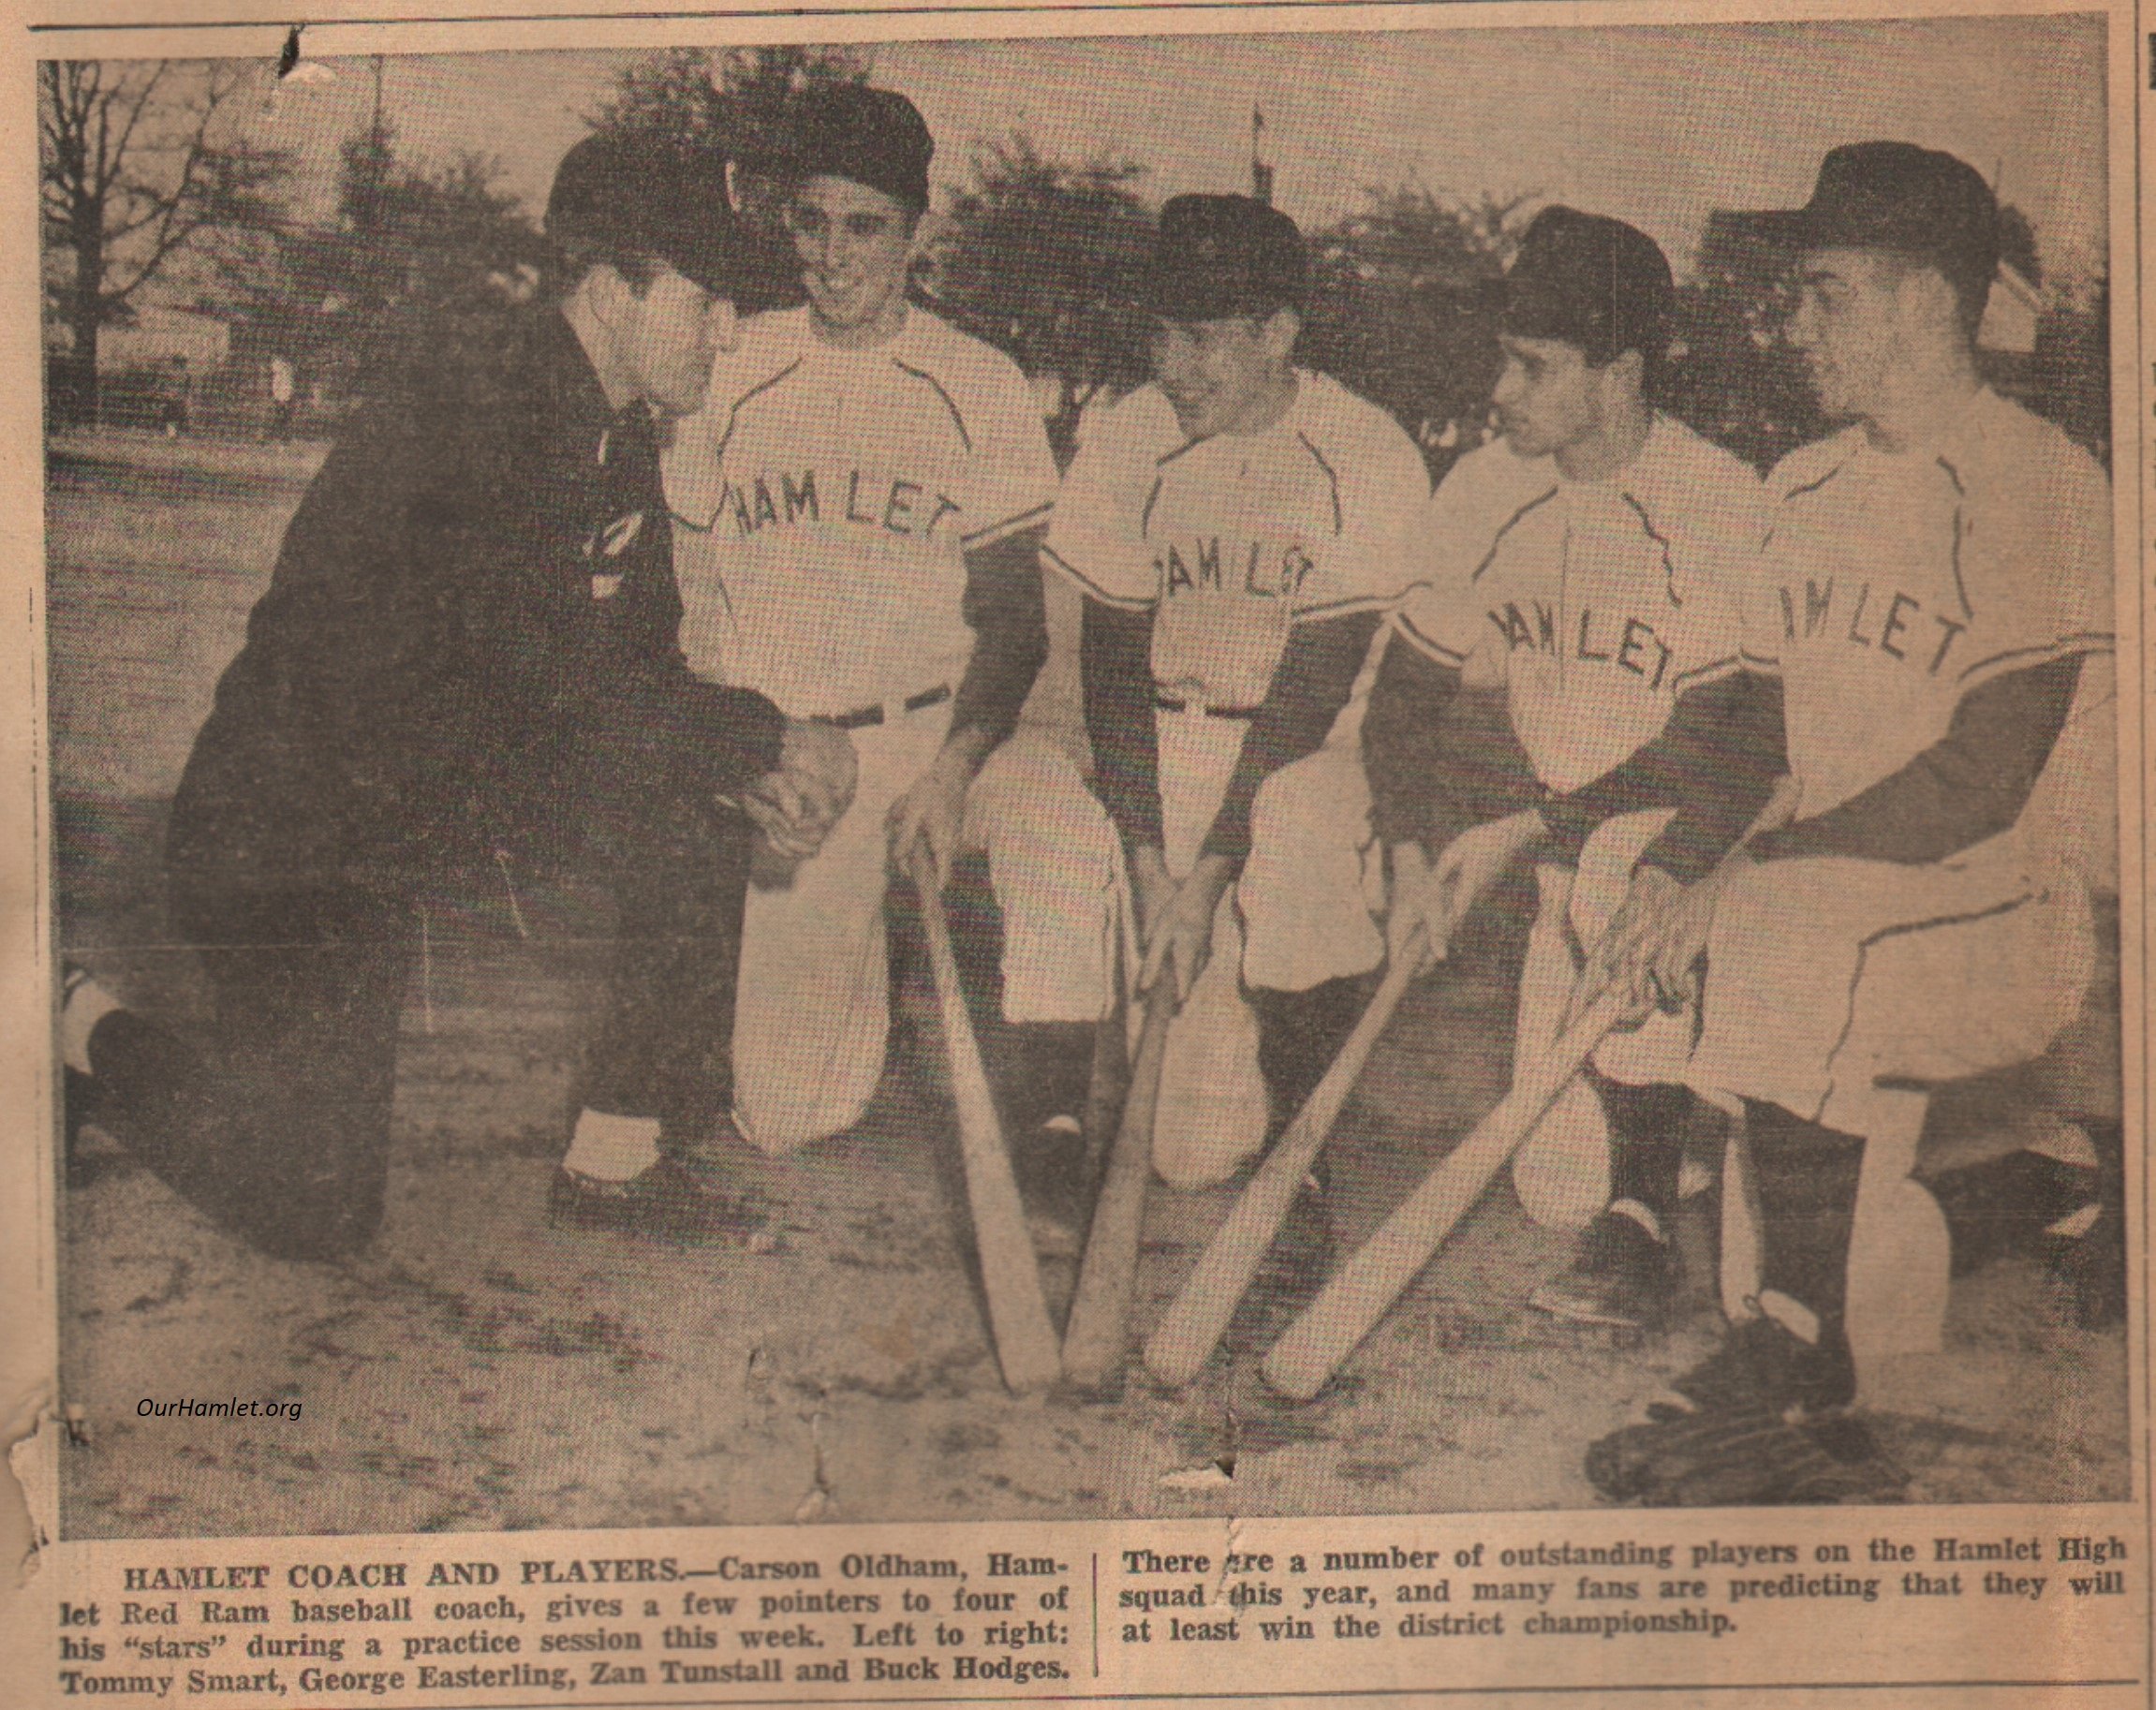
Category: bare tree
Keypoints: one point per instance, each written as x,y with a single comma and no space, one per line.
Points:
140,162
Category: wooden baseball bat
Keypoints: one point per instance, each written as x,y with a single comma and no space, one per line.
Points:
1100,1325
1365,1289
1010,1273
1199,1315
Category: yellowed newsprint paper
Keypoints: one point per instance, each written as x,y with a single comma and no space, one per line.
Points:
1153,853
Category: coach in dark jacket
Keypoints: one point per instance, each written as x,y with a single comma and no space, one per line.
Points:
465,665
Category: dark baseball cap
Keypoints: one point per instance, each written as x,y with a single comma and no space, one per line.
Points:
1896,197
1589,281
636,195
1221,256
873,137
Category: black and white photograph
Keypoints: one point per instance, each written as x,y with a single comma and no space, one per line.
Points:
1301,772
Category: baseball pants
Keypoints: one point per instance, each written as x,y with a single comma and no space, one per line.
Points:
281,1131
1313,901
1843,991
814,1007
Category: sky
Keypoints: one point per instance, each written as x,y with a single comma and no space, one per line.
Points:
1656,125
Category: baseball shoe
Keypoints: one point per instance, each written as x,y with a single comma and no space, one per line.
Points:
676,1199
2088,1246
1745,1456
1619,1275
1761,1363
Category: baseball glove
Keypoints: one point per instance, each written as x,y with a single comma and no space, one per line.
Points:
1742,1457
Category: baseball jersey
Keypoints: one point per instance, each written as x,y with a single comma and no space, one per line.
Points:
1603,600
825,500
1892,583
1234,538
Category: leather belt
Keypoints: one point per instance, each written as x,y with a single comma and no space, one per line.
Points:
875,713
1176,703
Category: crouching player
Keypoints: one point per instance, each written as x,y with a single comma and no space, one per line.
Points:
1568,657
1936,593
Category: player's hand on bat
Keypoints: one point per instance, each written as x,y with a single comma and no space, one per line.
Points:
930,815
1414,914
1175,918
1638,947
1440,896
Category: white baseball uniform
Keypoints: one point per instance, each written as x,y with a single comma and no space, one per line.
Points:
828,499
1892,584
1840,987
1231,542
1599,602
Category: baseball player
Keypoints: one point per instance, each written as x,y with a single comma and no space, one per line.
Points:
1936,593
1229,526
466,655
1566,658
864,495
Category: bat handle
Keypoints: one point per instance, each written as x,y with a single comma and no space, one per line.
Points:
1199,1314
1363,1289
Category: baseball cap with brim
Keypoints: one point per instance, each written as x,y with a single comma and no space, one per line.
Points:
1589,281
1896,197
641,195
873,137
1215,256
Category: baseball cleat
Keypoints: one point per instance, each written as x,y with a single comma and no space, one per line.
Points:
1762,1364
1619,1275
672,1199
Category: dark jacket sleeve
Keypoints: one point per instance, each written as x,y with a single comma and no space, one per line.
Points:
663,723
1969,785
610,672
1440,757
1008,612
1116,667
1310,685
1715,761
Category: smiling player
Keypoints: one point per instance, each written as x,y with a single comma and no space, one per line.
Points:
864,493
1231,525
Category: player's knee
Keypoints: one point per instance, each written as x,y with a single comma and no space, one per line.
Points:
1317,801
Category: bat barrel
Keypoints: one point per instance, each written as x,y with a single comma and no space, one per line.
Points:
1365,1289
1094,1340
1023,1339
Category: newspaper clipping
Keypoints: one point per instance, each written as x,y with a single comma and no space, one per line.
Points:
1172,852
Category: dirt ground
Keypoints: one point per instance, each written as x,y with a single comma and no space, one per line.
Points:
480,1371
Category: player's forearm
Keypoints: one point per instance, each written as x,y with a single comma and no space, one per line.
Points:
1715,761
1740,758
1008,612
1116,668
1969,785
1315,676
1402,748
